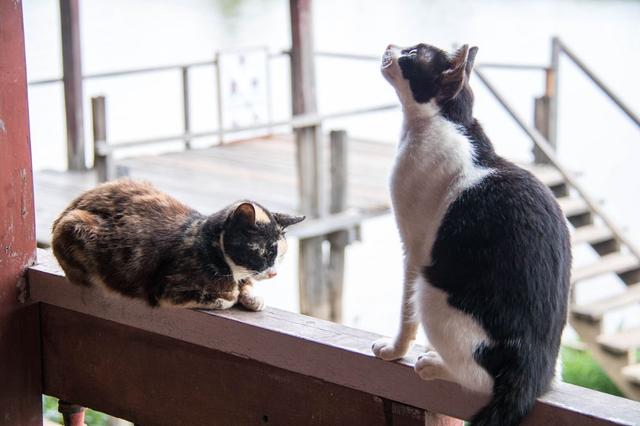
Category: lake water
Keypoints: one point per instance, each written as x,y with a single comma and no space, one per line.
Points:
594,138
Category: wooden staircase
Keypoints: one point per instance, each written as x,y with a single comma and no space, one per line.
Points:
617,353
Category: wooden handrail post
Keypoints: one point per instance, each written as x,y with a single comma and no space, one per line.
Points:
338,203
314,294
186,107
545,108
102,157
72,78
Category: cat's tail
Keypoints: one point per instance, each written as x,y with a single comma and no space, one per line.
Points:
515,388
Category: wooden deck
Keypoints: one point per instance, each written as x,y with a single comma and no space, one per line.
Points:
262,169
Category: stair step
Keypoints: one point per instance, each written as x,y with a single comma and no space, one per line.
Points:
594,311
620,343
547,174
614,262
572,206
591,234
632,373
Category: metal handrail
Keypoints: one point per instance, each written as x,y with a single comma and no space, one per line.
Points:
597,81
543,144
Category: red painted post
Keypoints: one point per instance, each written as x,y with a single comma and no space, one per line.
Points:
21,381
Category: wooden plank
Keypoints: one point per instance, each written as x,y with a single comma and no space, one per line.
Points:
547,174
149,379
595,311
20,391
591,234
632,373
622,342
617,263
573,206
102,162
542,122
72,78
319,349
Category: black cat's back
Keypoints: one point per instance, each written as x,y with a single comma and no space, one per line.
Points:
502,255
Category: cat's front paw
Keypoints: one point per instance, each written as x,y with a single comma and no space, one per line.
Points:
388,349
252,302
430,366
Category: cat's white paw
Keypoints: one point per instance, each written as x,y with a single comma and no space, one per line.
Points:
252,302
388,349
430,366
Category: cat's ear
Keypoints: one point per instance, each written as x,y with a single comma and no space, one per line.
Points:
454,78
245,213
285,220
471,58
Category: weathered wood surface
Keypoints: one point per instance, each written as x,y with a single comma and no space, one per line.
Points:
72,78
260,169
307,346
151,379
20,386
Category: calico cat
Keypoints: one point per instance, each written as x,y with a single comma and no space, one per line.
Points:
487,249
130,238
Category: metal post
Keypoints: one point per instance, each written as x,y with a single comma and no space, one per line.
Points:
267,78
338,240
102,158
186,108
314,294
219,97
72,69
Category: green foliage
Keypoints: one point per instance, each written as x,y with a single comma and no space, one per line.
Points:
50,410
580,369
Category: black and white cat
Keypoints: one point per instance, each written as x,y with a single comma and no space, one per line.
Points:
487,249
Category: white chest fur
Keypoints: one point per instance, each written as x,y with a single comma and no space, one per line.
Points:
434,164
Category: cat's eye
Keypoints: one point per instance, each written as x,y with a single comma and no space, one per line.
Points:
413,52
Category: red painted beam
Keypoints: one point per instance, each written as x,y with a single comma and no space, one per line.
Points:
20,389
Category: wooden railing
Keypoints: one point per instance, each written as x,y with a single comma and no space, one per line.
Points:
179,366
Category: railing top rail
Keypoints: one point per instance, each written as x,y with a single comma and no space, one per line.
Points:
327,351
296,122
548,150
597,81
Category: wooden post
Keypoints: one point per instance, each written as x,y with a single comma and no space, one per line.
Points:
72,77
20,364
102,158
72,414
314,294
545,109
338,240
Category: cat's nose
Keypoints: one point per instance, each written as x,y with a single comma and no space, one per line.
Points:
271,273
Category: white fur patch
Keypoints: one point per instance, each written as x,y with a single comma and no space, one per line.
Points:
454,335
261,216
239,272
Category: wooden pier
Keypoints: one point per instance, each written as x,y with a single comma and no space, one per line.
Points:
261,169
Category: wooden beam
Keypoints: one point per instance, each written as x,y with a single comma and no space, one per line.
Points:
151,379
72,77
314,292
322,350
20,391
